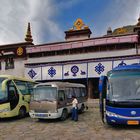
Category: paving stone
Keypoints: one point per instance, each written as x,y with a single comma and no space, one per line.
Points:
89,127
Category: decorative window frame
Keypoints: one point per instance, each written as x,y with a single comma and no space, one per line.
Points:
9,63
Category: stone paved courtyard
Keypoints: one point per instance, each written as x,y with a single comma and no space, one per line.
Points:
89,127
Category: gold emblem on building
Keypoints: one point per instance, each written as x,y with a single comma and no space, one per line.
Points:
20,51
78,24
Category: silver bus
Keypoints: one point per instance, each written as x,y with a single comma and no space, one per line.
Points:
53,100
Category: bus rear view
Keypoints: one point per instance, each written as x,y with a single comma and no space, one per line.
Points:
121,89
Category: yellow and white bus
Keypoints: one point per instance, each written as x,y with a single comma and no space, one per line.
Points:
14,96
53,100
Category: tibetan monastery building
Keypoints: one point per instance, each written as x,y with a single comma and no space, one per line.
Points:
79,58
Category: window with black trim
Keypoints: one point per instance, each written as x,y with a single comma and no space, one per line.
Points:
83,92
77,92
30,87
69,93
9,63
61,95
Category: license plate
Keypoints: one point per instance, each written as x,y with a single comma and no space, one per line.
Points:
132,122
42,115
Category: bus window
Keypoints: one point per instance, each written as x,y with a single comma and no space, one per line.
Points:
22,86
77,92
61,95
83,92
30,87
43,92
3,94
68,93
12,89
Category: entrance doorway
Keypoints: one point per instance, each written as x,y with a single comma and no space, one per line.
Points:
93,88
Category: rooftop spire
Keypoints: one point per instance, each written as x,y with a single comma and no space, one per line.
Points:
109,31
138,24
28,37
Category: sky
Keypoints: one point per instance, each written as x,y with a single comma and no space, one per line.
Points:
49,19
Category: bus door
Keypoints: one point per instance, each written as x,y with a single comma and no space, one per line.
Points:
102,96
61,98
12,94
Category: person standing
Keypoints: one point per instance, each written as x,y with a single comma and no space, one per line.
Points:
74,109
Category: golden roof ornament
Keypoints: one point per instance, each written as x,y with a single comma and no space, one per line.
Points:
28,37
121,31
79,25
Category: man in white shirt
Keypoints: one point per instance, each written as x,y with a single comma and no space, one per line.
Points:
74,109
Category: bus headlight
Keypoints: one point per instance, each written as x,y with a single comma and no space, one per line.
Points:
56,111
52,111
32,111
111,114
5,110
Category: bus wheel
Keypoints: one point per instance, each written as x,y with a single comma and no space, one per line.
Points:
82,108
22,112
64,115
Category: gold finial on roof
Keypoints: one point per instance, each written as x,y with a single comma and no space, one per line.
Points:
78,24
28,37
121,30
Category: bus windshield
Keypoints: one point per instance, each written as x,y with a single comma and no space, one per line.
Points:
124,88
44,93
3,94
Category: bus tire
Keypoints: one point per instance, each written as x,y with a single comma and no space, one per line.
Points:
64,115
82,108
22,112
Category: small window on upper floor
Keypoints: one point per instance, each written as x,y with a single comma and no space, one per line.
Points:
9,63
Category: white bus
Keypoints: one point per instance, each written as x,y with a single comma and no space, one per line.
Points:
53,100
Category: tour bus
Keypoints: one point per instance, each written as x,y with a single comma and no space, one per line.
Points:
120,95
53,100
14,96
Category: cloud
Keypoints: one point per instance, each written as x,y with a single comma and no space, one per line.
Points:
16,14
118,13
12,17
46,26
126,12
44,14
